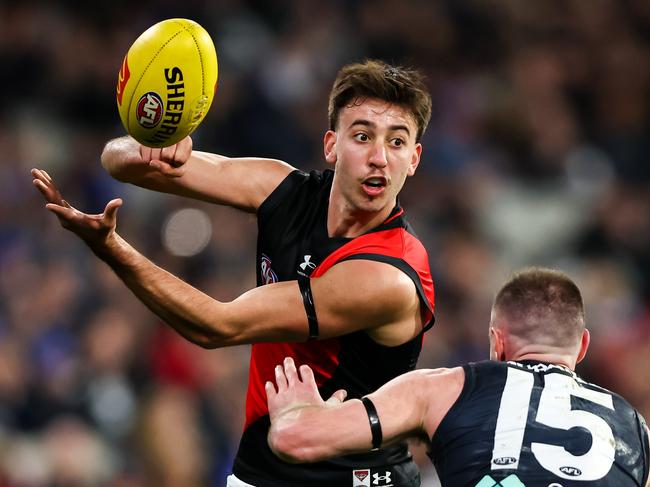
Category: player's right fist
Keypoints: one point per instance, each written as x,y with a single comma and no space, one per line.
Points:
171,160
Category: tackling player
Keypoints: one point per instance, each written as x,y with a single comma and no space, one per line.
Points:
522,419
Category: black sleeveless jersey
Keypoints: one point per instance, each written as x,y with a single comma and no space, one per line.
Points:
292,242
535,424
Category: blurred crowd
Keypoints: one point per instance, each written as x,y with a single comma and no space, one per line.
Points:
537,154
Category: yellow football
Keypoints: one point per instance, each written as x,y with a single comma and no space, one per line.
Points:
167,82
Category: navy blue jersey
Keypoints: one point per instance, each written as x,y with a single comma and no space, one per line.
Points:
535,424
293,242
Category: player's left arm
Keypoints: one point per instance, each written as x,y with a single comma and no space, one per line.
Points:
304,428
353,295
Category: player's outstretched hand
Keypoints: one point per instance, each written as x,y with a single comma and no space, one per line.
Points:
95,230
296,390
171,160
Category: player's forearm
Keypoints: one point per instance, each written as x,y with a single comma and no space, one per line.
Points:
314,433
121,158
193,314
242,183
127,161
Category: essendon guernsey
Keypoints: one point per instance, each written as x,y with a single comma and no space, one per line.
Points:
293,242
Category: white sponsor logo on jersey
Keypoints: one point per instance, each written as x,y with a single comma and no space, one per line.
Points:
307,264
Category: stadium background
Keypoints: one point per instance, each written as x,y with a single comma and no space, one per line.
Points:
537,153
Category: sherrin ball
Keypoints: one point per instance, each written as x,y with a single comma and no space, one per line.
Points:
167,82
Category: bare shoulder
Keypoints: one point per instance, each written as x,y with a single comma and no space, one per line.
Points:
440,389
440,381
453,376
450,380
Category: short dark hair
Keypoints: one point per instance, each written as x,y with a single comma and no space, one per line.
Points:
542,306
376,79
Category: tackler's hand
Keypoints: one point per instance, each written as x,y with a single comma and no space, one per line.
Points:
295,390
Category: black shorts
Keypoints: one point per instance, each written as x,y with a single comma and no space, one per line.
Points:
400,475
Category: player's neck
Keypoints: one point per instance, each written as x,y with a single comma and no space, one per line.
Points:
343,221
559,359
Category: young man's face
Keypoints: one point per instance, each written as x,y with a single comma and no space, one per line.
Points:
374,150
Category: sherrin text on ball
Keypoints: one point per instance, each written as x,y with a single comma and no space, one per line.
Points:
167,82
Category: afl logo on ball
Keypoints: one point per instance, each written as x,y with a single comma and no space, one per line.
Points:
149,110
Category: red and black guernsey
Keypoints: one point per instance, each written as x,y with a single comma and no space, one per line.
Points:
293,242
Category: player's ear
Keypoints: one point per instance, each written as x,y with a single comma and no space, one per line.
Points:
584,345
329,146
497,345
415,160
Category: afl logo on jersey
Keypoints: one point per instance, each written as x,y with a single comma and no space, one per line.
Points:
266,273
571,471
504,461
